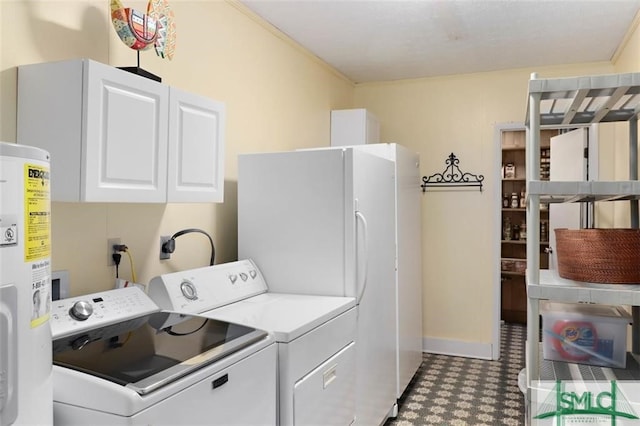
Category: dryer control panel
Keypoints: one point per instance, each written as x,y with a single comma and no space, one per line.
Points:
77,314
199,290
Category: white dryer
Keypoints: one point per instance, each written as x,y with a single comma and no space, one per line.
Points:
120,360
315,335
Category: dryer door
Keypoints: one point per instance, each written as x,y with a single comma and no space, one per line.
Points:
326,395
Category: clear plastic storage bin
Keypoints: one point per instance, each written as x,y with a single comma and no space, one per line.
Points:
585,333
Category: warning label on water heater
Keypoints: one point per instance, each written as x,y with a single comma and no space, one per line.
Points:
37,213
40,292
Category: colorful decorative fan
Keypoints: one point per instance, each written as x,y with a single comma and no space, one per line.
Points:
140,31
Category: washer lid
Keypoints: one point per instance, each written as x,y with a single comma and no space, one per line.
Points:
285,316
150,351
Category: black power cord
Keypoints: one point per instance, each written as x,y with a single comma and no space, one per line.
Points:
169,246
116,256
116,260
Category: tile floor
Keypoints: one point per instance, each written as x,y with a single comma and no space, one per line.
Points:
464,391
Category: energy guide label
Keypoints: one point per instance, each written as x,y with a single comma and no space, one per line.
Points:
37,213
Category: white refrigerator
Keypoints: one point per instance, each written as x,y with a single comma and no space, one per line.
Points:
408,274
322,222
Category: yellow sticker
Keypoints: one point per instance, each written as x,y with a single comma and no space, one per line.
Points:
37,213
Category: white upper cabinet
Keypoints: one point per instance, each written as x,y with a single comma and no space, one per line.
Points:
196,148
117,137
106,130
354,127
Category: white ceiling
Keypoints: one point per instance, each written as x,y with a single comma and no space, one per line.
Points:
380,40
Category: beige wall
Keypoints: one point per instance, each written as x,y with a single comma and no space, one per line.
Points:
437,116
627,61
278,97
628,57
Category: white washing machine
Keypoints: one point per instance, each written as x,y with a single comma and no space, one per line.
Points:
120,360
315,335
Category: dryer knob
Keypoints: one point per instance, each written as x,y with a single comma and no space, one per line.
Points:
81,310
189,290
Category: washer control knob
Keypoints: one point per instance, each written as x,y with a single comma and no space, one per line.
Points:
244,276
253,274
189,290
81,310
233,278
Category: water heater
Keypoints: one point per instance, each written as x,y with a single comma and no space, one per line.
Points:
26,395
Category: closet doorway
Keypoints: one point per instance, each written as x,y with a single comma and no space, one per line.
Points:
563,153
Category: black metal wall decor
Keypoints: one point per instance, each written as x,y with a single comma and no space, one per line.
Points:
451,176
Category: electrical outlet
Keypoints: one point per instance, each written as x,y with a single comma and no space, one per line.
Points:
110,243
164,255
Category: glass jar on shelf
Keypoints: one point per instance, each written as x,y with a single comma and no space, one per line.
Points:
516,232
509,171
515,200
506,200
506,229
523,231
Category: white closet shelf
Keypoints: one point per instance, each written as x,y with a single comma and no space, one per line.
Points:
582,191
558,370
553,287
586,100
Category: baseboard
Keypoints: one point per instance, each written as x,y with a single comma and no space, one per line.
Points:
457,348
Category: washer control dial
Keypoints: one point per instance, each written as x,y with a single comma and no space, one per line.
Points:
81,310
189,290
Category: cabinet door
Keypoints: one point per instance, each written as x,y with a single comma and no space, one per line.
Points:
196,148
125,138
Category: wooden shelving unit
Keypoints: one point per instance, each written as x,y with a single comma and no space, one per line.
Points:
513,291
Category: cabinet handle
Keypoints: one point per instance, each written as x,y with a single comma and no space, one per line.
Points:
329,376
548,250
220,381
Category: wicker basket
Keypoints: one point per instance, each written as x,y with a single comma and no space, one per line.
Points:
599,255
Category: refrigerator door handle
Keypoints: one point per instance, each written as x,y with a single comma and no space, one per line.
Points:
365,229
